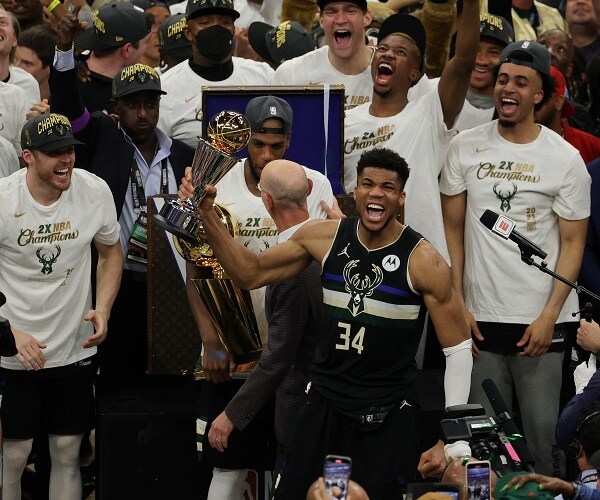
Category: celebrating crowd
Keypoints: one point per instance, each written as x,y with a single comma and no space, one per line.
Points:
453,109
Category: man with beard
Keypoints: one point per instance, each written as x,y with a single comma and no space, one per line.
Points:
28,12
345,58
495,33
413,128
584,25
137,160
51,213
519,317
271,124
118,37
376,276
210,29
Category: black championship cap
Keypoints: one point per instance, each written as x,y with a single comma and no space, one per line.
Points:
172,39
405,25
114,25
47,132
262,108
495,28
147,4
197,7
280,43
360,3
135,78
528,53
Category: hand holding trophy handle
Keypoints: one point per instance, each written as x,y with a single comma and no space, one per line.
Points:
229,132
186,192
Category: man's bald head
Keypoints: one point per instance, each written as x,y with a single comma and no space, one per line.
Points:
285,181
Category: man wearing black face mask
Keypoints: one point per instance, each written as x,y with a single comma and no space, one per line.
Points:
210,29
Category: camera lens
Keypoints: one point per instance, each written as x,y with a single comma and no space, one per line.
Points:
480,450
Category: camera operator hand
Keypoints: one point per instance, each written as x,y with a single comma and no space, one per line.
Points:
433,461
546,483
588,335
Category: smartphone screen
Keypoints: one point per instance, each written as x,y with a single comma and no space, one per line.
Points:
478,480
451,494
336,473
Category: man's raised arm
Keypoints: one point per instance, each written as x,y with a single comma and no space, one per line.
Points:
278,263
455,78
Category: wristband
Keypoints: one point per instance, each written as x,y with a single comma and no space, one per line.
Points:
53,5
575,490
56,49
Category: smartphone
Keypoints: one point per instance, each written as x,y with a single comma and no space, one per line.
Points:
478,480
417,490
336,473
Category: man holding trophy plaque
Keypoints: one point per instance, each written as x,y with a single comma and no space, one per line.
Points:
270,119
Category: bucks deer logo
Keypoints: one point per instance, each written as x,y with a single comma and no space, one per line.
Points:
360,287
47,258
505,195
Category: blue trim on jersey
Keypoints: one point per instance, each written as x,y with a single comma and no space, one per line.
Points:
381,288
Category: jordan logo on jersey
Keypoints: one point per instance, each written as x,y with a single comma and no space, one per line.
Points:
359,287
344,251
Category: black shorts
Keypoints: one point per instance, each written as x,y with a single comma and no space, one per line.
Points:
384,456
53,400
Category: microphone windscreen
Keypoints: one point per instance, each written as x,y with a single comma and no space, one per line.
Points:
489,218
493,395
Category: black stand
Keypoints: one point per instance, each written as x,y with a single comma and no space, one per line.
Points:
527,257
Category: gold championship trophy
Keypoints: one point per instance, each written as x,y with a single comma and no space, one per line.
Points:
229,306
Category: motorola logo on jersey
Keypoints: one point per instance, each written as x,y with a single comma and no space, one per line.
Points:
391,263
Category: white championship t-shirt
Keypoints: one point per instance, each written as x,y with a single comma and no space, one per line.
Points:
419,135
532,184
314,68
45,262
181,108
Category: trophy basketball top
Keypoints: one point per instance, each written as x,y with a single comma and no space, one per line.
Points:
229,131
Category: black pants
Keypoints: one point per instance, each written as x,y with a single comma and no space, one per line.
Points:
123,355
384,456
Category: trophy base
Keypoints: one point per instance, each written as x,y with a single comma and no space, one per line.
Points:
178,220
247,357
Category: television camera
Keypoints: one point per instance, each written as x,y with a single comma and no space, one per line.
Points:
494,438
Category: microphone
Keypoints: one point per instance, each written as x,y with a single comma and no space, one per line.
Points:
7,339
505,227
517,448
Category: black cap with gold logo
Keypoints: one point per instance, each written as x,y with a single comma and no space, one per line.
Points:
47,132
197,7
135,78
114,25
